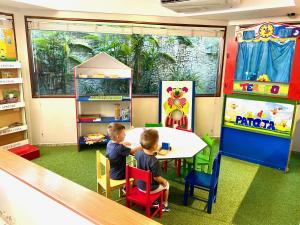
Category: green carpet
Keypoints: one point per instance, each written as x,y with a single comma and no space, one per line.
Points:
248,194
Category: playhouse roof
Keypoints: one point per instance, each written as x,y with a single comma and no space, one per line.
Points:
103,61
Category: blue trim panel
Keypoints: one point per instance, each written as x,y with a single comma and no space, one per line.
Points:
257,148
86,99
108,120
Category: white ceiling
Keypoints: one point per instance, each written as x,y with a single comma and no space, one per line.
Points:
248,9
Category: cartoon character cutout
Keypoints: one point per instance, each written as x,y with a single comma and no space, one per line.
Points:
266,30
232,112
176,108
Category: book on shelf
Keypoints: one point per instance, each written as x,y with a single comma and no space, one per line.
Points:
105,97
111,76
94,138
89,117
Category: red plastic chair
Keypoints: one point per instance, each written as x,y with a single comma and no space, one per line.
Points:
134,195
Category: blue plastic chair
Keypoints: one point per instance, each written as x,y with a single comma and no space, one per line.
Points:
203,181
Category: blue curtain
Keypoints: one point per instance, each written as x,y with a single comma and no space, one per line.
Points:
271,58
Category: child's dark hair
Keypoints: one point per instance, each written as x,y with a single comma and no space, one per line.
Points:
114,129
149,138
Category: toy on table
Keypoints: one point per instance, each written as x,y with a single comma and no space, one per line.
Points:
164,149
165,146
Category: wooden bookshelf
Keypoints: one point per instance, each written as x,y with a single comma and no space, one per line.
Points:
13,126
101,83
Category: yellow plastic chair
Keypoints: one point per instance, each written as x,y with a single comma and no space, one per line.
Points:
104,183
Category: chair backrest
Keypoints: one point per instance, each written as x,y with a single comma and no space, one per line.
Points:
153,125
211,143
138,174
208,140
101,160
215,170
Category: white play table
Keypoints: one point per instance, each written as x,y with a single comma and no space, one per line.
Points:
184,144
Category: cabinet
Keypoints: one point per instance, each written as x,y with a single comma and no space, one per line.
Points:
13,127
103,90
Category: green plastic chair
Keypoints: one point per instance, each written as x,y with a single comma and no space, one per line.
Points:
203,158
153,125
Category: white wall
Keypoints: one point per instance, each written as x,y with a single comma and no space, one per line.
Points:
208,112
52,120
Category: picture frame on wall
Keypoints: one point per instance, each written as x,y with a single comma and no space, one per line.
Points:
177,104
7,45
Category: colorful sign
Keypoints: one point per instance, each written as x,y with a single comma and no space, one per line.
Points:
177,99
7,45
261,88
268,31
261,116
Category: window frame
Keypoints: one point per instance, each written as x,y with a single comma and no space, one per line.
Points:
30,53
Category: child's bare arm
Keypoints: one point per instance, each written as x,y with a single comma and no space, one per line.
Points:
161,180
134,150
127,144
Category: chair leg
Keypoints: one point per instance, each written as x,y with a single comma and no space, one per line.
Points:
108,193
186,193
99,189
215,193
127,203
189,168
192,190
210,201
120,192
184,167
165,165
179,167
160,204
148,211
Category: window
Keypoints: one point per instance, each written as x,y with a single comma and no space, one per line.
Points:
154,52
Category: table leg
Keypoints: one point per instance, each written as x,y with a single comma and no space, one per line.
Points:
184,167
165,165
179,167
194,164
